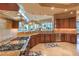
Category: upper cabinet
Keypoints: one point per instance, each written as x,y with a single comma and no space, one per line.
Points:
15,24
66,23
9,6
8,24
65,20
11,24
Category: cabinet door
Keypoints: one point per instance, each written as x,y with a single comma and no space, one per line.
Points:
32,41
15,24
47,38
57,23
63,38
62,23
9,24
37,39
73,38
67,37
66,23
42,38
53,38
72,22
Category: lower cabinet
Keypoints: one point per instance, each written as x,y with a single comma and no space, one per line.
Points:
68,38
47,38
14,24
73,38
41,38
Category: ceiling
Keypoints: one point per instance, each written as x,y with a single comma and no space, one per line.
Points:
9,11
60,5
42,11
13,15
45,8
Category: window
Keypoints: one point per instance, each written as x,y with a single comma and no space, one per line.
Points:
47,26
77,25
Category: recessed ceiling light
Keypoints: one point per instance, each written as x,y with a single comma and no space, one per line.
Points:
66,10
71,12
52,8
77,12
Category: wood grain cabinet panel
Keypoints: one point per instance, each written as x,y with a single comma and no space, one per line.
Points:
73,38
9,24
47,38
72,23
57,23
68,38
32,41
15,24
66,23
53,38
37,39
42,38
63,37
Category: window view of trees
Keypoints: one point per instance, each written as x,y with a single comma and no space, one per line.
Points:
47,26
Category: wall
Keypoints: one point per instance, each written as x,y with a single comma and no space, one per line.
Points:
6,32
2,24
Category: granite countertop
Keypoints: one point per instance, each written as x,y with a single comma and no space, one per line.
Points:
16,44
11,47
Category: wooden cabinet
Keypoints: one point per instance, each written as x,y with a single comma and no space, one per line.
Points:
47,38
57,23
42,38
72,22
53,38
66,23
73,38
63,37
15,24
37,39
8,24
32,41
11,24
68,38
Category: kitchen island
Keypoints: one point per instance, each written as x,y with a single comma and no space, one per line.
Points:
15,47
